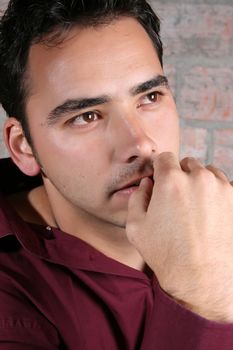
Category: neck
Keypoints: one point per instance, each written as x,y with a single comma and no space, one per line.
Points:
107,238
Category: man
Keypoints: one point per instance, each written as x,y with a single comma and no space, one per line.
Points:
107,240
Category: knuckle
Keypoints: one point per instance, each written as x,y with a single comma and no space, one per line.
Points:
204,175
164,159
219,172
188,159
173,182
206,180
172,174
191,161
165,155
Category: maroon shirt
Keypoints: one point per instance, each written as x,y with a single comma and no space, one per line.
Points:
58,292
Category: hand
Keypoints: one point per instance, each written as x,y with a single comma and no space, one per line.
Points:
183,227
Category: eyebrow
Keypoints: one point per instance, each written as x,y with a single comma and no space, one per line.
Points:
75,105
159,80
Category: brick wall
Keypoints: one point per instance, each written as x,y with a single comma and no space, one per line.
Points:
198,38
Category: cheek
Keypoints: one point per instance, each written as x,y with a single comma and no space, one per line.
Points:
75,153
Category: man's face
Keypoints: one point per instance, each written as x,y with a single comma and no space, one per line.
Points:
98,111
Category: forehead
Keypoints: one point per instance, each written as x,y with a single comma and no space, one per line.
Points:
109,55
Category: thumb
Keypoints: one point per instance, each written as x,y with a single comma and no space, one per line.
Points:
138,204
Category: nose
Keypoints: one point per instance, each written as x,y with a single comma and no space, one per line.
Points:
130,139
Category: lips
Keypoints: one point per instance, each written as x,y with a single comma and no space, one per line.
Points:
133,183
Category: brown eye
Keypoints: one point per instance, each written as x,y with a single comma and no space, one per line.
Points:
150,99
153,97
89,117
85,118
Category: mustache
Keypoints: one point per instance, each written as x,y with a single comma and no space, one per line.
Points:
129,172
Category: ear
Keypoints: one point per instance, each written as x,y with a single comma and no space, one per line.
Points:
19,148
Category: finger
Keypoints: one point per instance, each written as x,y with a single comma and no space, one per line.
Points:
164,163
190,164
217,172
138,203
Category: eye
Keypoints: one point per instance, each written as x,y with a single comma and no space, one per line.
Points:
84,119
150,98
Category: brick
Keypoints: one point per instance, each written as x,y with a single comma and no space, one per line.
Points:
223,159
207,94
194,143
224,137
223,150
195,29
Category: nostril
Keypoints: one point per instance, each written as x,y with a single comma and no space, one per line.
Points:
132,159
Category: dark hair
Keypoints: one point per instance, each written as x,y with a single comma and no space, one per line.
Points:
26,22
